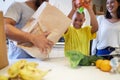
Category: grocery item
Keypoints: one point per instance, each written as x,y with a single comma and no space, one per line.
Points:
76,58
82,3
98,62
3,47
115,64
103,65
45,19
24,70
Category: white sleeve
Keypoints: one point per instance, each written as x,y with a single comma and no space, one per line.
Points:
96,40
94,47
14,12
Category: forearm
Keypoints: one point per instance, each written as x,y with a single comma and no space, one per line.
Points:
74,7
94,22
16,34
71,13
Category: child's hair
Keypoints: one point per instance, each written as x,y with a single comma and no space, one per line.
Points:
80,13
76,12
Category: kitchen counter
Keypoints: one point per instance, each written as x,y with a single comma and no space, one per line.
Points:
61,70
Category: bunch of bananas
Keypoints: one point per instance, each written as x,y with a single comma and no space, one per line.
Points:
23,70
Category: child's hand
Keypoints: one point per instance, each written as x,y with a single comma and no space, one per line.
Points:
74,7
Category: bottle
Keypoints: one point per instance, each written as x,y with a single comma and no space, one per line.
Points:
3,47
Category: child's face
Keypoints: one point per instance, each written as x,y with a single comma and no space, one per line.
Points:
78,20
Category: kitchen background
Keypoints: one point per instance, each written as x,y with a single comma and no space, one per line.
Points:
65,6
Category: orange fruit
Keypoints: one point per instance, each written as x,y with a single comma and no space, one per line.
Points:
98,62
105,66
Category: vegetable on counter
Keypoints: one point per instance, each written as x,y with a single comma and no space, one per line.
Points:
74,57
78,59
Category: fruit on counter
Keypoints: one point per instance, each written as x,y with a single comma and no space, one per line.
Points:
27,72
13,71
103,65
4,78
98,62
24,70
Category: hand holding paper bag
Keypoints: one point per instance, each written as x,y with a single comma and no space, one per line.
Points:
46,18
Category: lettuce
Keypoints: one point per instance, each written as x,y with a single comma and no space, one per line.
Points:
78,59
74,57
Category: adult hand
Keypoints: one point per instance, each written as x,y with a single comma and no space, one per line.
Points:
41,42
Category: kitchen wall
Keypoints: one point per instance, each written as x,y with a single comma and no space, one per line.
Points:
99,4
5,4
63,5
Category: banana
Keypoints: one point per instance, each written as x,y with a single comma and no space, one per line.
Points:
3,78
30,73
13,71
25,71
31,64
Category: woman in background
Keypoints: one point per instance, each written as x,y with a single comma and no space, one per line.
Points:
109,30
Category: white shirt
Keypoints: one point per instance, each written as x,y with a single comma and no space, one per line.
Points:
108,34
20,12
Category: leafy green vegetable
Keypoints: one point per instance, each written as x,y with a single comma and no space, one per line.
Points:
85,61
74,57
77,58
89,60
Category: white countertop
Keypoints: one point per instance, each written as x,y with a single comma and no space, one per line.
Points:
60,70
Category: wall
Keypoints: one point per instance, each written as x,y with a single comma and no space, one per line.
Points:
99,3
63,5
5,4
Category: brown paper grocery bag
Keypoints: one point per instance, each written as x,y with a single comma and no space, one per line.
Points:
3,47
46,18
